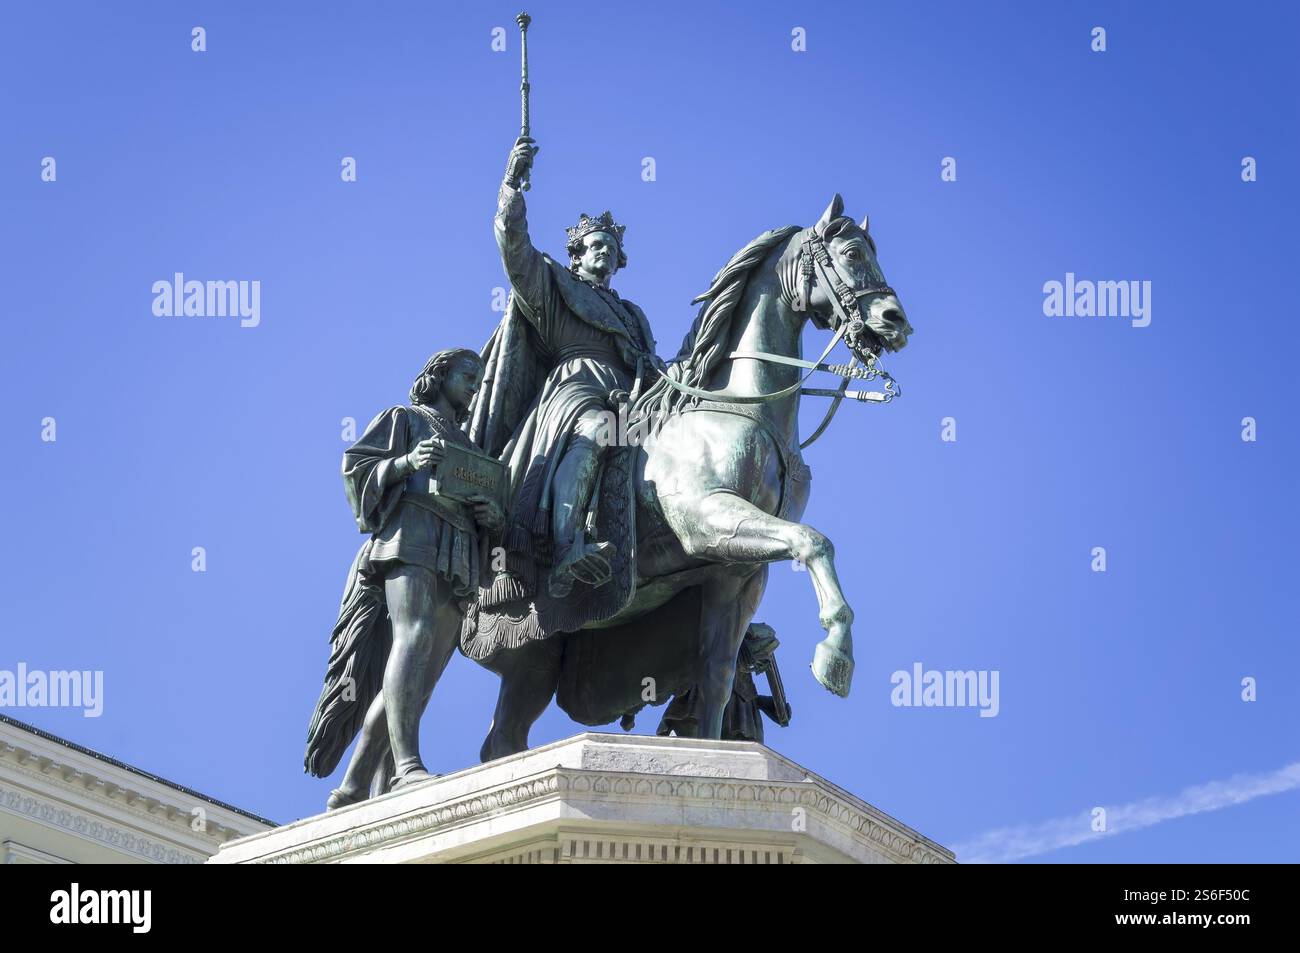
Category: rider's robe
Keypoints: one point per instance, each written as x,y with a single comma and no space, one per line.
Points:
564,347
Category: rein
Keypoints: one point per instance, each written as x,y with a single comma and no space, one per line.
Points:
815,264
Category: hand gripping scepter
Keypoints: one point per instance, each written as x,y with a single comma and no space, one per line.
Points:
523,20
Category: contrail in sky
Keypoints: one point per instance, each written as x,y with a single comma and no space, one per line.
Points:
1029,840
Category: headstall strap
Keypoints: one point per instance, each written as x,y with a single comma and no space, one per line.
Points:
815,263
804,302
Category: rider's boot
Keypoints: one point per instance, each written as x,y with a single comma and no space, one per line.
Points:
576,559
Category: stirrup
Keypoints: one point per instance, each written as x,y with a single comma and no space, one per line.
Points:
561,579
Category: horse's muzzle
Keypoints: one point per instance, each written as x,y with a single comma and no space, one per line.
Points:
888,323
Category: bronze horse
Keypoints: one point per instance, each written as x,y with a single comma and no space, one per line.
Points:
720,487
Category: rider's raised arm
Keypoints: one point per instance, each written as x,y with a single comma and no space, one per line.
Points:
526,267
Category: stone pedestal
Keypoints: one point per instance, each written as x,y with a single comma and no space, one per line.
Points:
606,799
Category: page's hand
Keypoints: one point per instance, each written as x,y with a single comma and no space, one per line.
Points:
488,513
427,453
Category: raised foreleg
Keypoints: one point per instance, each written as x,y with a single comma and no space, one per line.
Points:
724,527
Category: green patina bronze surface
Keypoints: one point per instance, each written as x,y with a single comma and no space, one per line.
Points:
643,502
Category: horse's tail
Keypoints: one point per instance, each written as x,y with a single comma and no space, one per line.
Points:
359,649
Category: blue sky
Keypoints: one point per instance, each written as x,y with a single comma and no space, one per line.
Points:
1072,433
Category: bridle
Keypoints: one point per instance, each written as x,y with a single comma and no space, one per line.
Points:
816,265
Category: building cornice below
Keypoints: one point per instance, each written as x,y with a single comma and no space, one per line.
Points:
22,729
59,777
87,826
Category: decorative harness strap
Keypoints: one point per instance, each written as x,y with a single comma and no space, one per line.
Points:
718,396
815,264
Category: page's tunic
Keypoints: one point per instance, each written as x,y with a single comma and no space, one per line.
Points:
408,523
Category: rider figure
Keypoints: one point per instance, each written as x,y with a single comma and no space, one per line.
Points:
596,348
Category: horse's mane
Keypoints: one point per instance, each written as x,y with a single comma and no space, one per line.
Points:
705,343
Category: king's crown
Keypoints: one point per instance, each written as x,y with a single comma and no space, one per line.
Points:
602,223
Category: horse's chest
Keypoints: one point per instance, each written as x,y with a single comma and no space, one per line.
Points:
700,453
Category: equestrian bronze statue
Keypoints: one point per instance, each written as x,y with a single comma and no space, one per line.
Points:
693,509
635,505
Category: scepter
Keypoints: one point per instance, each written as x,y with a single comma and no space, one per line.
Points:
523,20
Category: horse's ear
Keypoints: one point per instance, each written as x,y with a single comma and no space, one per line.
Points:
833,211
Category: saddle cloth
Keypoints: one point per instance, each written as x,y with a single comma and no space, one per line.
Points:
487,630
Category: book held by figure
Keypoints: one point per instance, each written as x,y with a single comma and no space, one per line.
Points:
465,473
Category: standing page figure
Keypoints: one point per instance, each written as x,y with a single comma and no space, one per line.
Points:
425,554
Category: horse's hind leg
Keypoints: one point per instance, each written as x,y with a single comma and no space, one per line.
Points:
529,676
726,528
726,608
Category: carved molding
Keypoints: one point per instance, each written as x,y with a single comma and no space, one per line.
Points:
822,807
86,826
82,786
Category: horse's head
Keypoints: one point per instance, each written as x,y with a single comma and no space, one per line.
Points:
848,285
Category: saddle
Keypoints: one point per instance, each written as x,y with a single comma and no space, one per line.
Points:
487,630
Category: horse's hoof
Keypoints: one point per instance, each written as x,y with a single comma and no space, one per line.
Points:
833,668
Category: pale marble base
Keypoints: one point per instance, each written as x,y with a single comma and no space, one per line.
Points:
603,798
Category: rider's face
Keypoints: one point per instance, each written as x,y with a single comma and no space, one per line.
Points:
599,258
462,383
